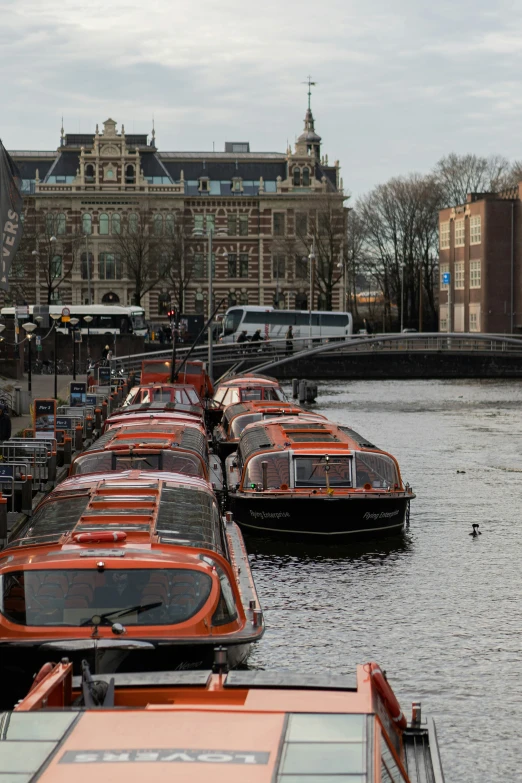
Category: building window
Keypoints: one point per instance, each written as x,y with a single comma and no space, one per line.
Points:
443,318
232,299
301,301
301,224
278,266
243,225
243,298
104,223
61,225
130,175
306,178
169,225
279,301
17,267
110,266
87,223
279,224
56,267
232,226
133,223
89,173
116,223
297,176
199,223
199,265
163,304
158,225
444,235
301,267
243,265
232,264
474,318
199,304
236,184
474,274
475,230
444,269
83,266
459,275
459,233
204,184
210,221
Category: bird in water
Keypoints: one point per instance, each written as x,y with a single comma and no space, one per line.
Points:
461,471
476,532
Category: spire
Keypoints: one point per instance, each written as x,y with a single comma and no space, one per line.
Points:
153,135
309,140
62,135
310,84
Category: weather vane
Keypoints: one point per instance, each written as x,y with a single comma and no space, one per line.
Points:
310,84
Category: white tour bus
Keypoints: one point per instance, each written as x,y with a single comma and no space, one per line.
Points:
274,323
106,319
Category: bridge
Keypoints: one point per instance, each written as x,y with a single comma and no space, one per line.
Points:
382,356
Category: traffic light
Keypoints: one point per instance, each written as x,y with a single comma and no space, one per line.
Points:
172,315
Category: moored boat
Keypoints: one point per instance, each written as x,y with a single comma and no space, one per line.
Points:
135,567
314,479
261,726
184,394
149,411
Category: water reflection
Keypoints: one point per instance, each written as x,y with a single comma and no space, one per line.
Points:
276,551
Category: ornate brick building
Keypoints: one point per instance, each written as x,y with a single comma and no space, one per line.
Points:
111,218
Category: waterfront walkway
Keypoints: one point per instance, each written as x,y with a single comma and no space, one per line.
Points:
42,388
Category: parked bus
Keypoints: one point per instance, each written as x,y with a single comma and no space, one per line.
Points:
106,319
274,323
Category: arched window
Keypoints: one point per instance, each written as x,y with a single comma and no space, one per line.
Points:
89,173
301,301
87,223
158,225
55,268
104,223
61,224
279,301
84,274
169,225
116,223
232,299
297,175
306,177
199,304
130,177
243,298
50,224
163,304
133,223
110,298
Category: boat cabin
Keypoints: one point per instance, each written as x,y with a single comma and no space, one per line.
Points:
192,372
140,551
246,389
176,448
163,392
245,726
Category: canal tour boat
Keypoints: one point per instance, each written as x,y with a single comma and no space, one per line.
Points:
244,388
314,480
150,411
163,392
192,372
244,726
136,568
174,447
238,416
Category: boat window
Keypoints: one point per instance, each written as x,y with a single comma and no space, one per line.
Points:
390,772
72,597
277,471
165,460
55,518
376,469
189,517
226,611
318,471
227,396
239,423
251,394
320,748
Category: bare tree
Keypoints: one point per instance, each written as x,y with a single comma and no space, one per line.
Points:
458,175
177,263
143,255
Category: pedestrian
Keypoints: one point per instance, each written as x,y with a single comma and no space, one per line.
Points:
256,340
241,338
105,354
5,424
368,327
289,341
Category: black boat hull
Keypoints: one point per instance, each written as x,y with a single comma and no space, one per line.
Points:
319,517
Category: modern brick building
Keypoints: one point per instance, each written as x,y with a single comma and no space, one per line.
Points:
117,201
480,246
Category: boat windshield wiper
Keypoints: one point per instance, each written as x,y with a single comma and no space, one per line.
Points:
97,619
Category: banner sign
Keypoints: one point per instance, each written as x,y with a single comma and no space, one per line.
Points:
63,423
11,204
104,376
77,394
44,418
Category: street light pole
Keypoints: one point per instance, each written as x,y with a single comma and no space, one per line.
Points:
88,269
210,308
74,322
402,297
29,329
311,259
56,317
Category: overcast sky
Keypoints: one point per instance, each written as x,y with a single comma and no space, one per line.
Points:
399,83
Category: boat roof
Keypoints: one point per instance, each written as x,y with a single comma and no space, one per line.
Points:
183,435
274,435
151,509
147,418
249,382
273,407
158,407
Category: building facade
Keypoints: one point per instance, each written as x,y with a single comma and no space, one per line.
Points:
480,248
108,217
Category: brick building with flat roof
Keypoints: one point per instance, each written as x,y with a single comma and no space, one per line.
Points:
109,217
480,246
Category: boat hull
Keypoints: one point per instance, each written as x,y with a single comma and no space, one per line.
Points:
319,517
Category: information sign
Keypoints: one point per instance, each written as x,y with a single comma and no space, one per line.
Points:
44,418
446,278
104,376
63,423
6,471
77,394
66,314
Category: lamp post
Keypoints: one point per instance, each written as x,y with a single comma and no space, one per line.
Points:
29,329
88,269
402,296
311,259
56,318
209,233
74,322
88,320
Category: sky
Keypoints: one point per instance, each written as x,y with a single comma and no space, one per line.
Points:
399,84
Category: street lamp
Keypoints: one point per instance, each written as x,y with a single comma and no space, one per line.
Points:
56,318
29,329
311,259
209,233
402,297
88,320
74,322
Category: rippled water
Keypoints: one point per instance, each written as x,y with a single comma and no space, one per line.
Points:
440,611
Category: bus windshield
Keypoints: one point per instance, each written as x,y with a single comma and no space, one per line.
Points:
232,321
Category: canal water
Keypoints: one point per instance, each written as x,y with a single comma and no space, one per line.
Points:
439,610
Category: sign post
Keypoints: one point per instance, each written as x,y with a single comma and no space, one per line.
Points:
446,279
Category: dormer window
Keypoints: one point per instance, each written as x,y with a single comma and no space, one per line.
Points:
89,173
297,176
306,177
204,184
236,184
130,175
